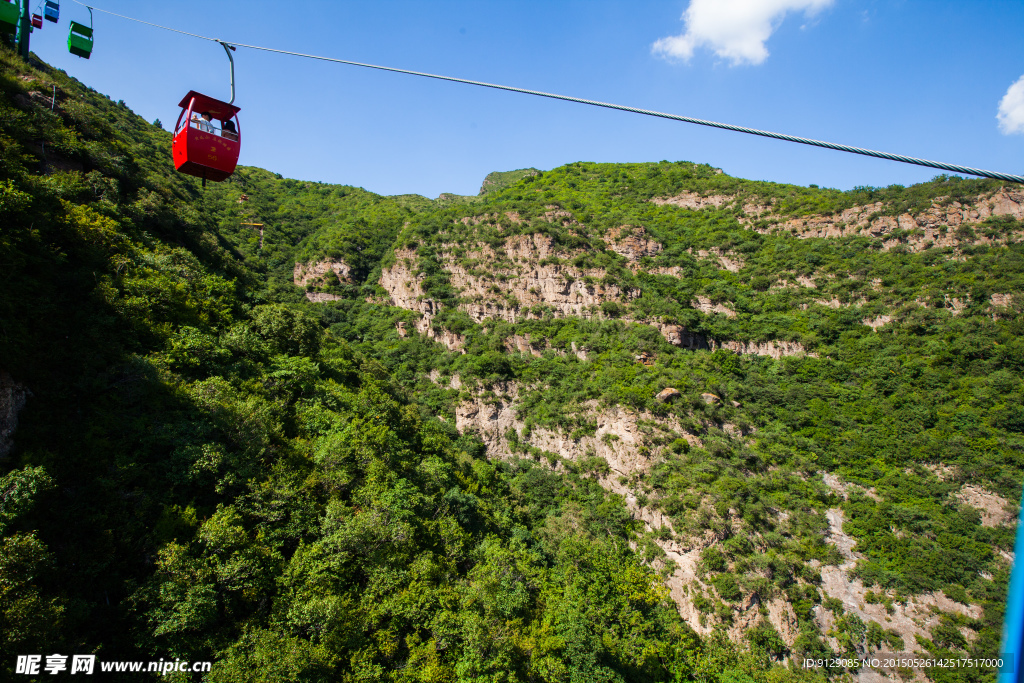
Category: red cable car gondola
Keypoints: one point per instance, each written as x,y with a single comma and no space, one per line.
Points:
199,148
37,21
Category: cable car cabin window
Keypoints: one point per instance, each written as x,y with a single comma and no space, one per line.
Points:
207,138
203,122
225,129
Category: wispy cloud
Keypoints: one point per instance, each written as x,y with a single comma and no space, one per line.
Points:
735,29
1011,109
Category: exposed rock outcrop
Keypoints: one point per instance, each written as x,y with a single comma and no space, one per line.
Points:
528,275
692,200
451,340
617,438
726,259
995,510
504,285
315,272
912,618
404,288
915,617
529,281
522,344
631,242
935,226
878,321
1001,300
1005,305
619,441
677,335
668,394
705,305
320,297
775,349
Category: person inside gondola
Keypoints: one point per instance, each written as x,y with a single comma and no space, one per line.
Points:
228,130
203,123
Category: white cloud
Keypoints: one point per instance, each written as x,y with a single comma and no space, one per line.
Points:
735,29
1011,109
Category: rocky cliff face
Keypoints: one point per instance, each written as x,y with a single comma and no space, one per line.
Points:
404,285
621,443
316,272
677,335
775,349
529,275
631,242
506,284
936,226
910,619
323,273
321,297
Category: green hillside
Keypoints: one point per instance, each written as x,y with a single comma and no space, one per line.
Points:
908,411
302,219
216,463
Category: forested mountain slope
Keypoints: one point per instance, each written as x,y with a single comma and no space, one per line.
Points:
811,398
413,439
193,471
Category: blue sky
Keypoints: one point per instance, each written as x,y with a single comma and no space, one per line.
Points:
923,78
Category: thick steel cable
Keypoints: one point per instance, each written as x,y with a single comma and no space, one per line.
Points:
147,23
956,168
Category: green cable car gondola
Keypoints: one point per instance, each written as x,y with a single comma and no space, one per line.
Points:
10,13
80,38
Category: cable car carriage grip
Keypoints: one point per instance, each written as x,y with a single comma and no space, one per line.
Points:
199,149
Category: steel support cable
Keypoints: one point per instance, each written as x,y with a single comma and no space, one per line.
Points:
956,168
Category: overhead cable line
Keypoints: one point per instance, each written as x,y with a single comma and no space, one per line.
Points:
607,105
